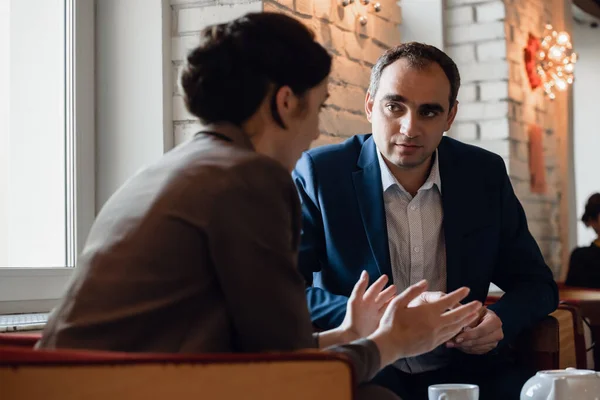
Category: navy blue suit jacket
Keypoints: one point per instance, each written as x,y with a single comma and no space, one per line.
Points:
487,239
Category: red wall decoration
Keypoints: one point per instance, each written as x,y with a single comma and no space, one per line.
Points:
530,55
537,164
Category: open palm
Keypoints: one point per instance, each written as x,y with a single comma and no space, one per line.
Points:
366,306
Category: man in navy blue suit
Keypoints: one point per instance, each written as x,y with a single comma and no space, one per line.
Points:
412,204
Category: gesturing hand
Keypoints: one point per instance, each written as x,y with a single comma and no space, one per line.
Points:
366,306
409,331
480,337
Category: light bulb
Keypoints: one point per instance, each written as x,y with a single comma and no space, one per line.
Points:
362,20
377,7
563,38
561,84
569,68
555,53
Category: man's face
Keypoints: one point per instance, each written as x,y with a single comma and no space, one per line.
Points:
410,112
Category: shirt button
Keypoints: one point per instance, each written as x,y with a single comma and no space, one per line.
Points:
417,249
413,207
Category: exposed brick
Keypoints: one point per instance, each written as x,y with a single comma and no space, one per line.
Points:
304,7
182,2
289,4
519,169
325,9
494,90
324,140
347,71
475,33
354,46
515,92
495,129
384,32
182,45
196,19
466,131
490,71
340,123
390,10
177,90
372,52
459,16
468,93
346,18
455,3
500,147
493,50
481,111
184,132
347,98
180,113
490,11
462,54
518,131
520,150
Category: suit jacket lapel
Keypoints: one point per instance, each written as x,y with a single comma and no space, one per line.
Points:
369,192
451,205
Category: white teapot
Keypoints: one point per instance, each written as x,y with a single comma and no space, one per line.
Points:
568,384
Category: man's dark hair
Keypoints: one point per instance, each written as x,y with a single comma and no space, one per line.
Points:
238,64
418,55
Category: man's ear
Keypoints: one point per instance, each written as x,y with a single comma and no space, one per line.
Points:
369,105
451,116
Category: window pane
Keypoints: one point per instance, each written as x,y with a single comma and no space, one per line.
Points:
32,133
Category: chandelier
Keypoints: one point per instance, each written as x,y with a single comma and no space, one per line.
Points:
555,61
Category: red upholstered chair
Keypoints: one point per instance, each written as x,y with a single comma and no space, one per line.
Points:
19,339
92,375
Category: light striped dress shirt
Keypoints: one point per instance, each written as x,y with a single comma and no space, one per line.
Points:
417,245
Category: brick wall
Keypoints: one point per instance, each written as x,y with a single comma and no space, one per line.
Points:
189,17
486,38
354,48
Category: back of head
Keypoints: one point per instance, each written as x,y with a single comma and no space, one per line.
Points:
238,63
419,55
592,209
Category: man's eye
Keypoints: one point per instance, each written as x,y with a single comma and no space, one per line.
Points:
392,107
429,114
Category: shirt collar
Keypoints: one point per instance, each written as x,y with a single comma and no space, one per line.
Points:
388,179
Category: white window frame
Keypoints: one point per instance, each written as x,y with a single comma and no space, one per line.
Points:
24,290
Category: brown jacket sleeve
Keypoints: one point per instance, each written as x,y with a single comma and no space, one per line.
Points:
253,239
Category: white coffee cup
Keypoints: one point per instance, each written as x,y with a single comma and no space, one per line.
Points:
454,391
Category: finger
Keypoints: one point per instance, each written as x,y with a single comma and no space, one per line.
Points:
495,337
462,313
455,326
359,288
479,349
385,296
408,295
448,301
485,328
385,306
375,288
430,297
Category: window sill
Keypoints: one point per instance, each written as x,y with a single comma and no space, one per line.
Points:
31,290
